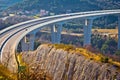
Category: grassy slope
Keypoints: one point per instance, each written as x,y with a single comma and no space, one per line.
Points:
6,74
89,55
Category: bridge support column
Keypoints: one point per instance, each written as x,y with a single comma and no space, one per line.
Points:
119,32
24,45
31,41
87,32
27,43
58,36
56,33
53,32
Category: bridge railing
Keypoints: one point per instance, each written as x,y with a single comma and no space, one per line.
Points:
62,15
63,19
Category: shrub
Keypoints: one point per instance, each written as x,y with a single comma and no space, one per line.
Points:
65,47
104,59
117,52
5,74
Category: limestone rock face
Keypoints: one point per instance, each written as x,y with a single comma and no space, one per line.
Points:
62,65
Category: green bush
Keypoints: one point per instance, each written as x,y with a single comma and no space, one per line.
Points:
104,59
65,47
117,52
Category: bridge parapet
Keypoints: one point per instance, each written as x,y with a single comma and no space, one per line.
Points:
13,35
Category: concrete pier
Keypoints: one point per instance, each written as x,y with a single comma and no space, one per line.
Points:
87,31
27,43
56,33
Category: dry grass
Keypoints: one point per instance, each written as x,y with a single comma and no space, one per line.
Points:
112,31
89,55
28,72
25,72
5,74
64,47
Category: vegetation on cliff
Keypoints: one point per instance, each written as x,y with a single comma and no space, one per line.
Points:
65,62
25,72
60,61
5,74
99,43
89,55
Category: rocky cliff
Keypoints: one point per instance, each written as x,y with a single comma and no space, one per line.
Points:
64,65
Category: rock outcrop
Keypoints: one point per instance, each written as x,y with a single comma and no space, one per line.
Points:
63,65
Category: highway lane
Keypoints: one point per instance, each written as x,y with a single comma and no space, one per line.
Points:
62,15
62,19
88,15
68,18
33,21
13,40
15,28
5,35
10,30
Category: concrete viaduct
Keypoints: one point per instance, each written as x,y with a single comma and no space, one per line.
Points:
11,36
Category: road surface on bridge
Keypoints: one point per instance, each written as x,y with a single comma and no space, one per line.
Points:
11,36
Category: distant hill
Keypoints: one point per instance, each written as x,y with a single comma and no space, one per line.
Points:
62,6
7,3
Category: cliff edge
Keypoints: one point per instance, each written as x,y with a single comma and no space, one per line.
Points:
66,65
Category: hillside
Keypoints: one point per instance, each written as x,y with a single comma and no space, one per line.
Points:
6,3
62,6
61,63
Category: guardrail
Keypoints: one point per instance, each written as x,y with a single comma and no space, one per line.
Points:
62,15
58,18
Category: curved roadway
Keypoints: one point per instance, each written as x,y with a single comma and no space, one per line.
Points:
11,36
